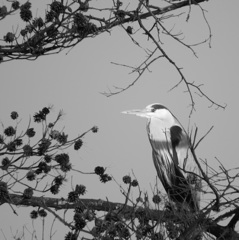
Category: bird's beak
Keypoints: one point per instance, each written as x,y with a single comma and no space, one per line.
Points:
138,112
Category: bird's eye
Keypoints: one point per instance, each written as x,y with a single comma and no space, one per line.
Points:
153,109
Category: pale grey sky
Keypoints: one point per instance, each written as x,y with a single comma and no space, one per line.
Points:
73,82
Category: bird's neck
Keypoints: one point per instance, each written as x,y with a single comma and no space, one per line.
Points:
167,120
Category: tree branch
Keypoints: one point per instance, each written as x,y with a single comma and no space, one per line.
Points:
100,205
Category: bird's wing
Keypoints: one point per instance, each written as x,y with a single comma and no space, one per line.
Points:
173,161
186,162
182,154
174,182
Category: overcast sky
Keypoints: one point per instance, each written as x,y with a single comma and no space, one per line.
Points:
73,81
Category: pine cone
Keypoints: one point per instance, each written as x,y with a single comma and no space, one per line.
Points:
30,132
99,170
72,196
42,213
57,7
28,193
80,189
14,115
38,22
78,144
25,14
34,214
5,163
10,131
31,175
55,189
70,236
27,149
15,5
50,16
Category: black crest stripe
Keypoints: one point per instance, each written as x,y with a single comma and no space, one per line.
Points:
157,106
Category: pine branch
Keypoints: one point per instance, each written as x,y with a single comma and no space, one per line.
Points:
100,205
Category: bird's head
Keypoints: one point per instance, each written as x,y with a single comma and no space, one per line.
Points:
155,110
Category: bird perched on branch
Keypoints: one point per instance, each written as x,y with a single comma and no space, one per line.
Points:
172,156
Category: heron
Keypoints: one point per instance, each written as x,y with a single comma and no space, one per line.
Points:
172,155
